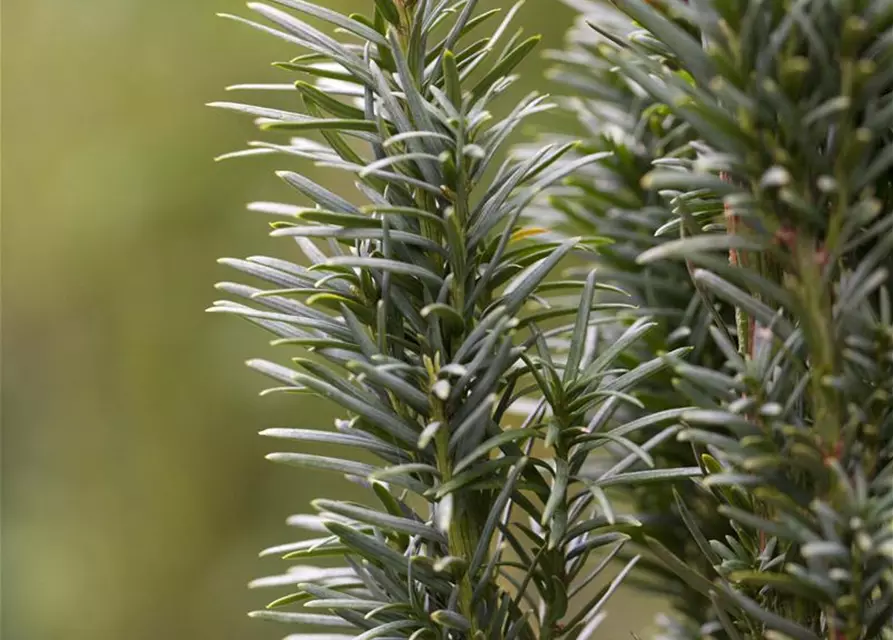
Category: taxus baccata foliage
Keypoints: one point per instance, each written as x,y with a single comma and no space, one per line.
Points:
712,391
425,315
749,192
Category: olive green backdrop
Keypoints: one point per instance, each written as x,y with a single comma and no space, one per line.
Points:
134,492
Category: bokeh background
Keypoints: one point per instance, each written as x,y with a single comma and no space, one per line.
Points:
134,492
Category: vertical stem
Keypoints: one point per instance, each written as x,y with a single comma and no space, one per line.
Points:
460,538
815,297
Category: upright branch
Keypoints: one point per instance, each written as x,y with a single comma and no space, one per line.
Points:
753,150
415,316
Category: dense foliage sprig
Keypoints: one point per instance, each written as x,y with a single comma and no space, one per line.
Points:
425,314
750,192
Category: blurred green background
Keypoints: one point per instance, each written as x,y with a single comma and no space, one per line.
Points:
135,495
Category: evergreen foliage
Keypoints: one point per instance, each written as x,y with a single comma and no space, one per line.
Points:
706,405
